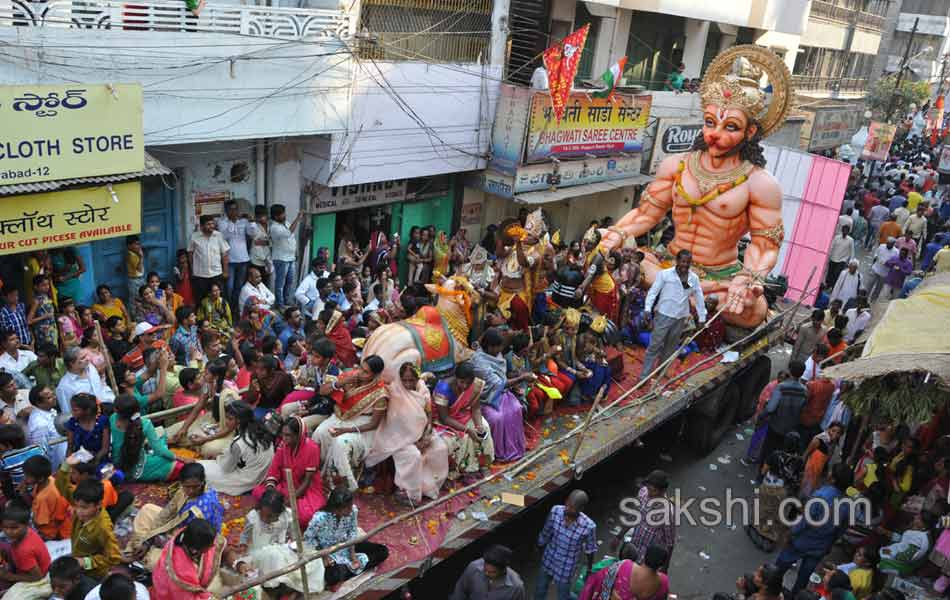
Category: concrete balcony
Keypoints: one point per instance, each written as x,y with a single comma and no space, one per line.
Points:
233,72
830,87
173,16
836,13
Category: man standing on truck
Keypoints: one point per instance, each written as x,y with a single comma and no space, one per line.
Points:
670,292
784,409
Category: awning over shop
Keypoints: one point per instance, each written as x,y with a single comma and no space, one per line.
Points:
543,197
152,167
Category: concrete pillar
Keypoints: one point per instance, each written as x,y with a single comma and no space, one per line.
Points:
696,33
500,27
612,40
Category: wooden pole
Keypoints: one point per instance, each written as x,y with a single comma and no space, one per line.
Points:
295,527
105,353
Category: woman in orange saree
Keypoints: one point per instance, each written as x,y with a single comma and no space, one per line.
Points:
346,437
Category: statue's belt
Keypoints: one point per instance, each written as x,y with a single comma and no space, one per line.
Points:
712,273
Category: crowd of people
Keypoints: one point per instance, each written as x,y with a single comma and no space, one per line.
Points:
230,375
232,378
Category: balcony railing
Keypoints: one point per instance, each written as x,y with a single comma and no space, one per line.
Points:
164,15
847,85
845,15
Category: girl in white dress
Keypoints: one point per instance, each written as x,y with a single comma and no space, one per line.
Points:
266,543
245,461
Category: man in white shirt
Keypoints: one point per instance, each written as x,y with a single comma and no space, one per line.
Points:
283,251
901,214
858,319
255,288
671,292
840,253
308,294
848,284
233,228
846,219
208,253
14,359
878,272
260,244
916,226
81,376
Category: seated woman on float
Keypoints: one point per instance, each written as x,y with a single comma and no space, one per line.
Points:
360,403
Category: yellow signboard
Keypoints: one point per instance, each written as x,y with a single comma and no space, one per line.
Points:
596,126
50,132
38,221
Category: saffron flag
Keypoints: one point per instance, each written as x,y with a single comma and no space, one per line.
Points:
610,78
561,61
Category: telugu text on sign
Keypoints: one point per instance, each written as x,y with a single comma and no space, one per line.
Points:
68,131
38,221
596,126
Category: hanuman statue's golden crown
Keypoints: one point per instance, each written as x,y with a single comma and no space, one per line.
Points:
734,80
740,90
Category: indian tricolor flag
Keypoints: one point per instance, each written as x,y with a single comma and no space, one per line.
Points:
611,76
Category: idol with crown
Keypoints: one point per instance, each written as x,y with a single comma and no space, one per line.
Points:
719,191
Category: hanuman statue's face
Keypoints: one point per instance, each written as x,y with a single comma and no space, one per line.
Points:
725,129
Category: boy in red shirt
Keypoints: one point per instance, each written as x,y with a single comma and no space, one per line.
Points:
30,559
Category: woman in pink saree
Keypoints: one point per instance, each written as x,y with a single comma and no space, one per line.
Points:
626,580
189,563
406,434
301,455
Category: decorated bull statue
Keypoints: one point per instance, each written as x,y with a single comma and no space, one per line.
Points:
435,338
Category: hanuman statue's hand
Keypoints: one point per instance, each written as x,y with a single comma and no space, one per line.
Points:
611,239
743,293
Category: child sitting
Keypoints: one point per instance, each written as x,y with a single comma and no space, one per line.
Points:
73,472
264,541
94,543
48,368
41,426
51,515
869,471
909,548
29,558
87,428
67,579
862,572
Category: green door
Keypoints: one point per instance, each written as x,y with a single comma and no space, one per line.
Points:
324,234
432,211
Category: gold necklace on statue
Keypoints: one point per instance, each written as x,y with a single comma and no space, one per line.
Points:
710,184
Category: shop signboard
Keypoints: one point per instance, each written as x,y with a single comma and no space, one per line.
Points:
488,181
944,165
591,126
348,197
832,127
68,131
878,144
533,178
40,221
673,135
511,121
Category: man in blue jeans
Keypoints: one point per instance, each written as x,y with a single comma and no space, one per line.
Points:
812,537
566,533
283,252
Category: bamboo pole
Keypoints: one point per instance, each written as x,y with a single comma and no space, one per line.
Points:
295,527
108,357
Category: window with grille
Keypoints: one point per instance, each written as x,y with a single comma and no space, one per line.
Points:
441,31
